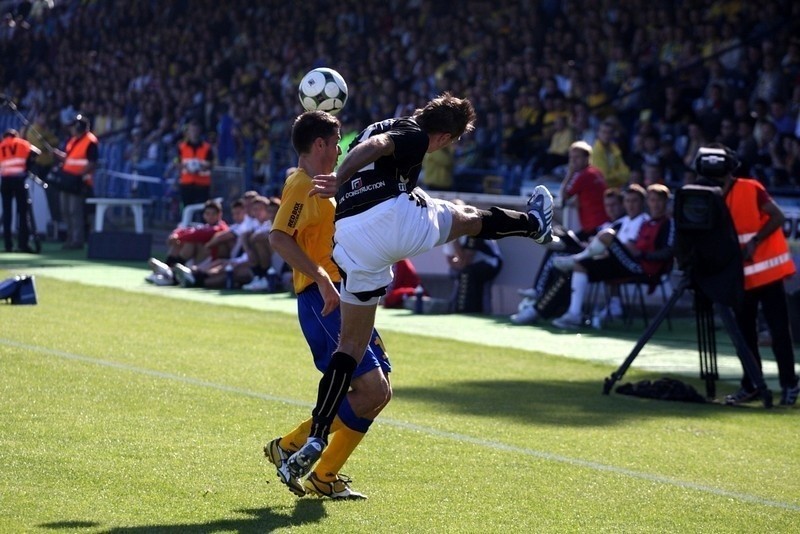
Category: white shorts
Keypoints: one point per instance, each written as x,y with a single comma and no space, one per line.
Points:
368,244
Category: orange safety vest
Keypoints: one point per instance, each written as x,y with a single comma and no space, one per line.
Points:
77,150
771,260
188,153
14,154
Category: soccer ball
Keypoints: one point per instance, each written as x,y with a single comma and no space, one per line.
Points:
322,89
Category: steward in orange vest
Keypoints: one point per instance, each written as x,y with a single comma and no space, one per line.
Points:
758,220
195,158
80,157
15,156
767,262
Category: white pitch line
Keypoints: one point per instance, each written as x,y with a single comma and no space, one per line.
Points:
461,438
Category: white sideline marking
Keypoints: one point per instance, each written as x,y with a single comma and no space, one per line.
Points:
462,438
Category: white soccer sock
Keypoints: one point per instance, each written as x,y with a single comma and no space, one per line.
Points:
594,248
580,281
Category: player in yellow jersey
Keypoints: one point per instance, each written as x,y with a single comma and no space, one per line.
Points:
302,233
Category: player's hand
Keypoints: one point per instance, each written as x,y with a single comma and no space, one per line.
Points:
329,295
325,185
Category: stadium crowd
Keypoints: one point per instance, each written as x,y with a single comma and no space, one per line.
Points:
663,77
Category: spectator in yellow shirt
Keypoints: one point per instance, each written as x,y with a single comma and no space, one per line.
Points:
607,156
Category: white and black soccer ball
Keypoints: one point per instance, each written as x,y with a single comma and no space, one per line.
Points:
323,89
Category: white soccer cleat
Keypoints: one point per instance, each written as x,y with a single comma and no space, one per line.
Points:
279,457
159,267
258,283
183,275
338,489
526,315
541,208
301,462
164,280
568,322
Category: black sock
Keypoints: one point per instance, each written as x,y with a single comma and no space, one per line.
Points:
333,387
259,271
172,260
499,223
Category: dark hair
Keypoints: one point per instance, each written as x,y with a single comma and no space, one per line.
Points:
11,132
213,204
310,126
447,114
238,203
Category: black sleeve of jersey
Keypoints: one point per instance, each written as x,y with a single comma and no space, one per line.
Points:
410,143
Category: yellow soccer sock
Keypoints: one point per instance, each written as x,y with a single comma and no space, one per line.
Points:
342,445
297,437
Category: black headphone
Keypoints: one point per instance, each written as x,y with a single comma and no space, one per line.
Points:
716,162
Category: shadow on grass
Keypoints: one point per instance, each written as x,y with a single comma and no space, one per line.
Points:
307,511
549,402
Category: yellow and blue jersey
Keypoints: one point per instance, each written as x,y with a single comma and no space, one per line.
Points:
310,221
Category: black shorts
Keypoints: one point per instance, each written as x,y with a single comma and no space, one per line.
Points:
618,263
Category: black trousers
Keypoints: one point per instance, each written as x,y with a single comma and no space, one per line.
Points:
194,194
14,190
471,281
772,298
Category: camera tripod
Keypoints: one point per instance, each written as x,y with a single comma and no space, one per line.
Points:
706,342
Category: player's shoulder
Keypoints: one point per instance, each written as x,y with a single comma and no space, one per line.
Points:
298,180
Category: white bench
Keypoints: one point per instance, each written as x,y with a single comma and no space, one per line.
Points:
135,204
188,212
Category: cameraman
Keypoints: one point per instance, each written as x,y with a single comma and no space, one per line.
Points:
767,262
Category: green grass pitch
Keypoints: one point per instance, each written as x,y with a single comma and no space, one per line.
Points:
129,412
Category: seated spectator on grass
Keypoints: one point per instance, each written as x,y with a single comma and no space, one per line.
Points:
650,254
187,246
228,272
549,295
625,231
473,262
259,250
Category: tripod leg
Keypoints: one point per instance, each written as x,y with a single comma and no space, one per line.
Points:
749,364
651,329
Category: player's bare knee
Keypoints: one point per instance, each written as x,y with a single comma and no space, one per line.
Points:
374,389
